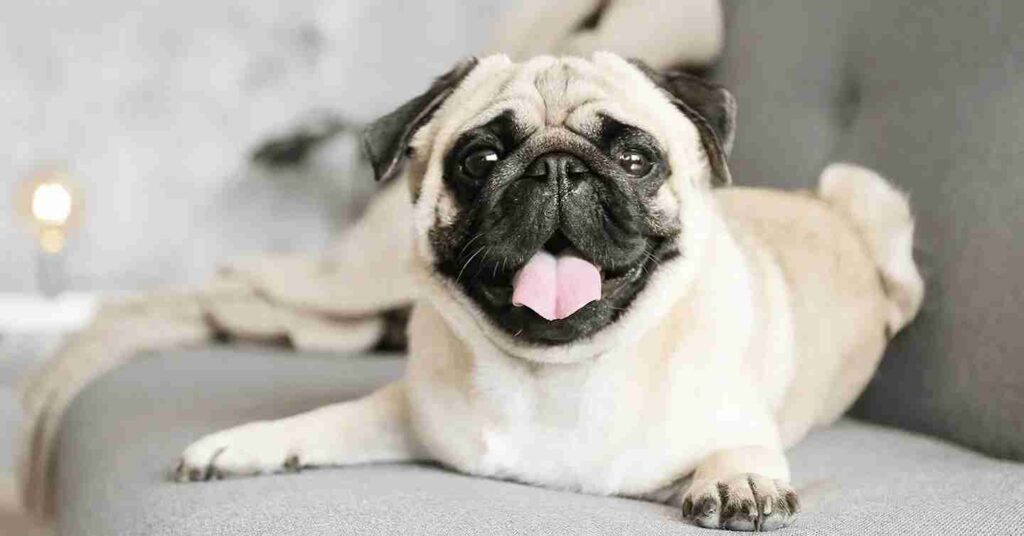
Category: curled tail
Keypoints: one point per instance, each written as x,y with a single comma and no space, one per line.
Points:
882,214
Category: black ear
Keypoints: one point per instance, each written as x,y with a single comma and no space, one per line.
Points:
711,107
386,140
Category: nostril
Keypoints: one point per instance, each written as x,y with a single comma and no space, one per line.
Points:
574,168
576,173
539,168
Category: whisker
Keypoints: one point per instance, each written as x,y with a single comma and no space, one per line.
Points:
652,258
469,260
471,240
481,267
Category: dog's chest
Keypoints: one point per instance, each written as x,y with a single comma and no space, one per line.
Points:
588,427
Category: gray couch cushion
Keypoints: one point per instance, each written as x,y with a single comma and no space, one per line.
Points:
122,435
930,94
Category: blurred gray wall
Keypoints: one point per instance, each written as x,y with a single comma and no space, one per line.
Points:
153,107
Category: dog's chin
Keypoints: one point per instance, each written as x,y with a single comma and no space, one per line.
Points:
492,293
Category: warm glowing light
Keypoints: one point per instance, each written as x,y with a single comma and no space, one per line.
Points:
51,239
51,204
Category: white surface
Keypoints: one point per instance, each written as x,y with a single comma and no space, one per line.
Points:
32,313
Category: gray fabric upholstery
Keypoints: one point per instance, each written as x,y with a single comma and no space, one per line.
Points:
123,434
930,94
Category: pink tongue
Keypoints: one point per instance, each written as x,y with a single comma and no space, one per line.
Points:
556,287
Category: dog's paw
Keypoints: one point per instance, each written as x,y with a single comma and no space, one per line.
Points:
251,449
744,502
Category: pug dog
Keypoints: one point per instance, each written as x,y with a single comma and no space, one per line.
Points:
595,310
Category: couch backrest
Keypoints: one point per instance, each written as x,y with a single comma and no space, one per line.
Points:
931,95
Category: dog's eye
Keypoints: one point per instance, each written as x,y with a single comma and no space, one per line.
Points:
635,163
479,163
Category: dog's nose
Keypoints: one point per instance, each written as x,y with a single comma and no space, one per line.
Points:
556,166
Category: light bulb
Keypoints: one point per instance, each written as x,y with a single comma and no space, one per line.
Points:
51,203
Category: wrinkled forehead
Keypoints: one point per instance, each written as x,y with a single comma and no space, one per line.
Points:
548,92
553,92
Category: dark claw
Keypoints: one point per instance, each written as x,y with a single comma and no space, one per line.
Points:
749,509
211,468
178,475
740,514
707,506
723,494
793,502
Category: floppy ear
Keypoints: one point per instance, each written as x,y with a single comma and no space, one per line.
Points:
710,107
386,140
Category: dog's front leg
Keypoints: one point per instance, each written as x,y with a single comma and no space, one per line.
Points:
372,429
744,488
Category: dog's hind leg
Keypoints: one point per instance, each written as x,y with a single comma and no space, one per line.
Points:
374,259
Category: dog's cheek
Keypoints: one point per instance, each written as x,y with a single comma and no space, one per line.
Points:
450,228
665,215
444,243
447,210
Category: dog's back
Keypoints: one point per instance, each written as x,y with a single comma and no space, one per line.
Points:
845,256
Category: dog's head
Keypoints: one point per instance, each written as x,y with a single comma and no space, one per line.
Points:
547,194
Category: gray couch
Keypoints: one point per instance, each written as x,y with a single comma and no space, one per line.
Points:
930,93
